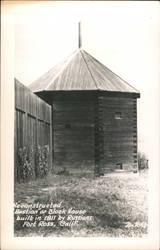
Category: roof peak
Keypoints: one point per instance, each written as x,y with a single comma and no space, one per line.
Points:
81,71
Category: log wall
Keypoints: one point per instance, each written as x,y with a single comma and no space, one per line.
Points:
87,135
120,133
73,135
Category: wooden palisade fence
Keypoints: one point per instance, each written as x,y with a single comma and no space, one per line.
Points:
32,135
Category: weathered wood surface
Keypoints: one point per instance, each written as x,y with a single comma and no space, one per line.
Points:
99,136
73,134
32,125
94,136
120,135
81,71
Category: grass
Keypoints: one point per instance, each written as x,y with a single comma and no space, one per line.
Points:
117,202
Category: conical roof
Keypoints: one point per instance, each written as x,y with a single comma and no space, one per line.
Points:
81,71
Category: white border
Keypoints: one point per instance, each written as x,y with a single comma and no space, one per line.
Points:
7,161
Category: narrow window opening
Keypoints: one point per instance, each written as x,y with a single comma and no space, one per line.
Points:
118,115
119,165
68,126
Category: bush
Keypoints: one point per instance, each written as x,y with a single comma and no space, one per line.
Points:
25,166
142,161
42,166
32,163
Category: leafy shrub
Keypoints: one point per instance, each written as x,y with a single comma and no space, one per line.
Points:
25,166
142,161
42,161
32,163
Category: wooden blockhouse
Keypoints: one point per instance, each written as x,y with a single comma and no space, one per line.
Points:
94,116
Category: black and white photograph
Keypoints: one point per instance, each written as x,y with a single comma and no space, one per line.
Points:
85,121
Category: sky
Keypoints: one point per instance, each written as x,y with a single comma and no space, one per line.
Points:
123,35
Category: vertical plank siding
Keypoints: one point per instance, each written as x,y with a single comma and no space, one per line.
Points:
32,135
